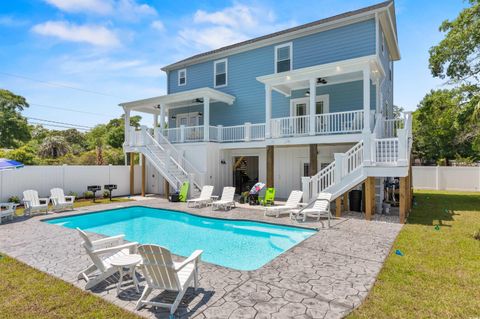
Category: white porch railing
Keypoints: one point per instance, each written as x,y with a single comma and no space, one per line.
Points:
233,133
391,126
339,122
290,126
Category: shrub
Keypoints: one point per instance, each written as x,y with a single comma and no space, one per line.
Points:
70,193
476,235
88,194
106,194
14,199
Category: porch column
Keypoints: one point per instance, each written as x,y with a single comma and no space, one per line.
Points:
127,126
155,120
206,119
268,110
132,174
369,197
313,102
144,165
162,117
366,98
270,166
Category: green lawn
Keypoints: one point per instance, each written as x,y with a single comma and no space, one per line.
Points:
29,293
85,202
439,274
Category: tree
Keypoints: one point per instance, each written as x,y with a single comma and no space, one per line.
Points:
14,127
116,130
457,56
54,147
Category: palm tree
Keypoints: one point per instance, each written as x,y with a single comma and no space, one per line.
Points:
53,147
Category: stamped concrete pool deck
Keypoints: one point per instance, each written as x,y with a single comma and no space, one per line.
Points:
325,276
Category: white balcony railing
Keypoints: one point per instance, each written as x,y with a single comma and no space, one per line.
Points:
324,124
391,127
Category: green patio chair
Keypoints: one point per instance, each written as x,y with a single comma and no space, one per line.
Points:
184,192
268,198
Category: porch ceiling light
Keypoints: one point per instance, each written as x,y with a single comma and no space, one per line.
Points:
307,93
287,77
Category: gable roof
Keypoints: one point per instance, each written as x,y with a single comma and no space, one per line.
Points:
318,23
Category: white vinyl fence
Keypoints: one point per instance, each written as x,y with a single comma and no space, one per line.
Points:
453,178
70,178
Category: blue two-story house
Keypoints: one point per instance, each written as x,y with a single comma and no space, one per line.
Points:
310,107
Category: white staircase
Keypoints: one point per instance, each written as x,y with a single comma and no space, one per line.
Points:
166,159
375,155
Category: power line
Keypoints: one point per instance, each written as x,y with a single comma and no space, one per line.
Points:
56,122
57,84
68,109
62,126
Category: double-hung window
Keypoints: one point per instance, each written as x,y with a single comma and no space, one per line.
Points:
283,57
182,77
220,73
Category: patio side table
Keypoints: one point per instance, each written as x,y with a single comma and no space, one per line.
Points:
126,266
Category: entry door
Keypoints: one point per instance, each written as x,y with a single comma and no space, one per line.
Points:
300,124
192,119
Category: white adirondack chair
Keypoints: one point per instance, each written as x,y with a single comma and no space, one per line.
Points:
7,210
60,201
34,204
161,272
101,251
321,208
204,199
226,201
293,201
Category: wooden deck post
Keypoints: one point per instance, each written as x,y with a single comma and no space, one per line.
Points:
166,188
313,160
132,174
338,206
144,165
403,199
345,202
369,197
270,166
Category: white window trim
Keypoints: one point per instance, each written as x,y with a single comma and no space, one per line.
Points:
289,44
178,77
323,97
215,73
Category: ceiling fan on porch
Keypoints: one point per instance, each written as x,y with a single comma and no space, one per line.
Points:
321,81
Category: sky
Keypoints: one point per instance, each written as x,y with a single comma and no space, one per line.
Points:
76,60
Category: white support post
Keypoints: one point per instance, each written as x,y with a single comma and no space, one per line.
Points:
155,127
144,134
313,104
402,147
182,133
248,131
306,189
366,98
268,110
162,117
219,133
127,126
367,148
206,118
338,167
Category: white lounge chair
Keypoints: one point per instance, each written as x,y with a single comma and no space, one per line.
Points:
226,201
321,208
101,251
204,199
161,272
60,201
34,204
293,201
7,210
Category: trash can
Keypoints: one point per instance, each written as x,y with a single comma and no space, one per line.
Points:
174,197
355,200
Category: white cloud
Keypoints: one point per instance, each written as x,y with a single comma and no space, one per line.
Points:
95,6
93,34
158,25
127,9
233,24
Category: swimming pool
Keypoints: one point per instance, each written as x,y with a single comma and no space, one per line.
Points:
241,245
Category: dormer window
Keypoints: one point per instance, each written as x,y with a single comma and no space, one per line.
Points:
182,77
283,58
220,73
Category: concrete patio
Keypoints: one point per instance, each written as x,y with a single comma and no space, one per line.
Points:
325,276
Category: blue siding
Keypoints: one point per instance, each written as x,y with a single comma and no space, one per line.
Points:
387,87
346,42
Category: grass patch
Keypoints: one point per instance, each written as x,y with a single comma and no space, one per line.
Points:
28,293
84,202
439,274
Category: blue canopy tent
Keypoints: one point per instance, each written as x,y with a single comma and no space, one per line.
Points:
6,163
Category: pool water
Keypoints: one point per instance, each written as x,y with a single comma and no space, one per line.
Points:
241,245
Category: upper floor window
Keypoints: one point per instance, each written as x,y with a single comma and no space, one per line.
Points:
283,57
220,73
182,77
383,43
